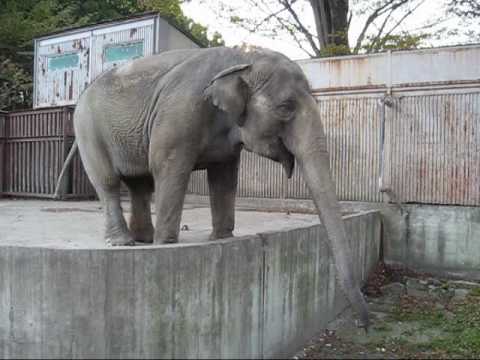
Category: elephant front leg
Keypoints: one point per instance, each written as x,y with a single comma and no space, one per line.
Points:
170,187
222,182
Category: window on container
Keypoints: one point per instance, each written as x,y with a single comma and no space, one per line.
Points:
62,62
122,52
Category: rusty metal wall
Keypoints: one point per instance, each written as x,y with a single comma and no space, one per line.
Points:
61,86
352,127
433,148
141,33
447,65
35,146
431,153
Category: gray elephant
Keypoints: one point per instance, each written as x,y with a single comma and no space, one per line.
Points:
153,121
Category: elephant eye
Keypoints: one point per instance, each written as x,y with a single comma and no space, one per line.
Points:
288,106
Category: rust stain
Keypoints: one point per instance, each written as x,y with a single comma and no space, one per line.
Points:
70,87
329,89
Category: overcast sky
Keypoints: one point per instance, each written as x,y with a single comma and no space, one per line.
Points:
203,12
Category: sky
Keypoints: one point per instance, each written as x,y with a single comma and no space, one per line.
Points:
204,12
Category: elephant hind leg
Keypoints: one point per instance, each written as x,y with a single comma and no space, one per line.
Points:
116,231
107,185
140,223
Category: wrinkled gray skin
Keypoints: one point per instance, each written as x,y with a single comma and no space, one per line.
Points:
150,123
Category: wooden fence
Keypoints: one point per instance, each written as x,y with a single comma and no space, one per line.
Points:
33,147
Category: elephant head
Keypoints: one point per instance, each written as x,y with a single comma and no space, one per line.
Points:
269,101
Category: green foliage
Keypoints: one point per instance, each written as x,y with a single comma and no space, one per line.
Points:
23,20
15,85
401,41
334,50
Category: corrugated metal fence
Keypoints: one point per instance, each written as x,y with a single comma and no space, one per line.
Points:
33,146
3,116
433,147
431,151
352,126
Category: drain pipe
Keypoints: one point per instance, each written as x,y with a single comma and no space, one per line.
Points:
387,100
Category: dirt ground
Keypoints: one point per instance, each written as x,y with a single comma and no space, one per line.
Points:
414,315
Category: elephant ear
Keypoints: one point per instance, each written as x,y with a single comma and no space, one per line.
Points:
228,91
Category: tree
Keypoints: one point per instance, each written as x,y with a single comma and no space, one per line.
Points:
332,20
23,20
469,13
465,8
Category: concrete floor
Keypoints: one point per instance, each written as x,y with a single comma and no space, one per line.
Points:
58,224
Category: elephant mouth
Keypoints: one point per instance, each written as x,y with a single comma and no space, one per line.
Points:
288,164
277,152
287,160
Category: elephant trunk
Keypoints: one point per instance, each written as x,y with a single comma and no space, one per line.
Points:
307,141
315,168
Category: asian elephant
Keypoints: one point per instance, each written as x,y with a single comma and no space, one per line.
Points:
151,122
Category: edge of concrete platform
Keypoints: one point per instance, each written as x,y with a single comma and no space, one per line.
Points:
255,296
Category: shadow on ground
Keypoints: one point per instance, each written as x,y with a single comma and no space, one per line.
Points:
413,315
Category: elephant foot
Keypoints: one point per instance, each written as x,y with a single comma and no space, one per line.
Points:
144,236
165,241
121,240
220,235
169,241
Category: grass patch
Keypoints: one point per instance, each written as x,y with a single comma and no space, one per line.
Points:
475,291
459,332
382,327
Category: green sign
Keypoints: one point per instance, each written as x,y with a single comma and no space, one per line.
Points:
122,52
60,62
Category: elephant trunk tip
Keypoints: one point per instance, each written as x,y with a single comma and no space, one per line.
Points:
363,323
362,310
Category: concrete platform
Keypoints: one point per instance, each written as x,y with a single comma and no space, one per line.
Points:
262,294
60,224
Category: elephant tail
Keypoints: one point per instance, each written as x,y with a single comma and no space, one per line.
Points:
66,165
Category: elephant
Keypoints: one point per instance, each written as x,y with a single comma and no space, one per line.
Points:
150,122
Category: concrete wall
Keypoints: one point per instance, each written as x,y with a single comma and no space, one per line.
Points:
257,296
440,239
444,240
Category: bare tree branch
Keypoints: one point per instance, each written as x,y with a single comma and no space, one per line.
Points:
377,13
286,25
300,26
267,18
380,31
407,14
